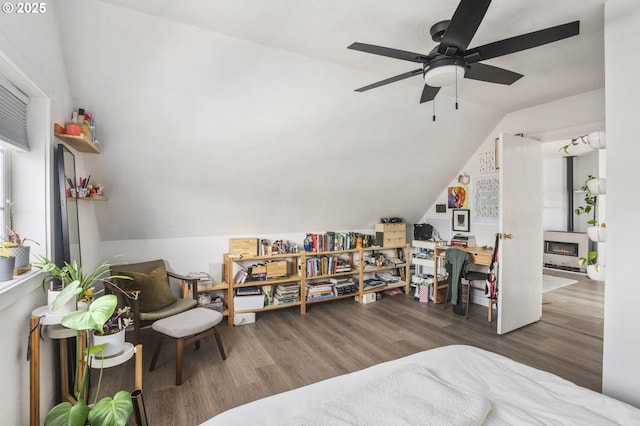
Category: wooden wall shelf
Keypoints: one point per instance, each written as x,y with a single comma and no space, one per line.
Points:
82,143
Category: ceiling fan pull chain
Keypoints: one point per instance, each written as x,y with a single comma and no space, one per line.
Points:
434,110
456,90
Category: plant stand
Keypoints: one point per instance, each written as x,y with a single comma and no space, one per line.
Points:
42,316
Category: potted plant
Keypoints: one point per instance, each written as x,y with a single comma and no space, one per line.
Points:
595,140
13,244
70,272
590,200
597,231
112,333
98,312
595,271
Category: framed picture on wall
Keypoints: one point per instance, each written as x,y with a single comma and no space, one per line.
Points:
460,220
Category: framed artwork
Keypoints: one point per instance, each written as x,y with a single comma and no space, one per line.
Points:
457,197
460,220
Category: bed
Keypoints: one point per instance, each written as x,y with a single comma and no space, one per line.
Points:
457,385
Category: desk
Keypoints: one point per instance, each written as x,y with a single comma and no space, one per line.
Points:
479,256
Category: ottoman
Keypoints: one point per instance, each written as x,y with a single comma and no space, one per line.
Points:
186,328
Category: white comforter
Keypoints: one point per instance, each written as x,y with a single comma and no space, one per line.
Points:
518,394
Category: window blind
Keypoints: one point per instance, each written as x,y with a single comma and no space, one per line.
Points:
13,115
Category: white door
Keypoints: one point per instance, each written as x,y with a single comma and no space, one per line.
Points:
520,221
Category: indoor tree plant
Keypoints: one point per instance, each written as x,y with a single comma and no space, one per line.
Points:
92,317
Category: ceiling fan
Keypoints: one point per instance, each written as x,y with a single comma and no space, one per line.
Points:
451,60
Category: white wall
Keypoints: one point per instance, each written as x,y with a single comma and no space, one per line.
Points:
621,370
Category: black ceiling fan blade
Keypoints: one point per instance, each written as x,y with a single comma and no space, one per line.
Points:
464,24
428,93
491,74
390,80
522,42
391,53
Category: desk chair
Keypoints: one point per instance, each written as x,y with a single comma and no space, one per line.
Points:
455,258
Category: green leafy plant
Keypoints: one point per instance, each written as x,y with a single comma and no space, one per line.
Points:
71,272
107,411
590,200
574,142
591,259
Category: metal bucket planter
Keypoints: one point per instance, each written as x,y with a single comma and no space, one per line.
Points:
7,265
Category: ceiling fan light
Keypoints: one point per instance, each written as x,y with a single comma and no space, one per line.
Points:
443,75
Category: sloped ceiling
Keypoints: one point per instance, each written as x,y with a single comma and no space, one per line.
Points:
228,118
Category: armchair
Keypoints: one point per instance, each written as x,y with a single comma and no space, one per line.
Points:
150,280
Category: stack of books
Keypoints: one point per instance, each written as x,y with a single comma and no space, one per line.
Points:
373,284
286,293
343,286
204,280
248,291
215,303
462,240
320,290
387,277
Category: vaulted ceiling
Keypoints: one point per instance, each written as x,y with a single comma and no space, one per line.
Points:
240,117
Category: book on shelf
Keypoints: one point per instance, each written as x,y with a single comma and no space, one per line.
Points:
241,276
373,284
248,291
387,277
267,290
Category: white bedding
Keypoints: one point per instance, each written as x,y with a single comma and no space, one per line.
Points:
517,394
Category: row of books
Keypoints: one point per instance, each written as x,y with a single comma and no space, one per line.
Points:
333,287
331,241
326,265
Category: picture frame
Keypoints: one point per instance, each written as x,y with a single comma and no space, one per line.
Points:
460,220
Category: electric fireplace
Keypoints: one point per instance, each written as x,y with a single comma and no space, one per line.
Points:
563,249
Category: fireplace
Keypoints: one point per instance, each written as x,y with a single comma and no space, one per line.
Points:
563,249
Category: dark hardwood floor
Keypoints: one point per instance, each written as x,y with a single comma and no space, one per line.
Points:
285,350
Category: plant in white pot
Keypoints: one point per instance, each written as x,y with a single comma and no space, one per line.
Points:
112,333
68,273
597,231
93,317
595,271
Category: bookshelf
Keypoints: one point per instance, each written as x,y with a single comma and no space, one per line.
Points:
306,272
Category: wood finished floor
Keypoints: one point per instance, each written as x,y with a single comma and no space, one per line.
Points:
285,350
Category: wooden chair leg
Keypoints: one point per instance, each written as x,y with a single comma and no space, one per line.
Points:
219,341
179,351
156,352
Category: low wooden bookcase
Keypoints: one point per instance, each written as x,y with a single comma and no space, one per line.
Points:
302,269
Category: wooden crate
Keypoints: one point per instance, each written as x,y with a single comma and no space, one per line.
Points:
391,234
243,246
277,268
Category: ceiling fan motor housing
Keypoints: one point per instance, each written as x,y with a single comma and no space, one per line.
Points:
438,29
444,71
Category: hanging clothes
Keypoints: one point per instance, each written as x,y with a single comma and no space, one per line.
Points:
458,263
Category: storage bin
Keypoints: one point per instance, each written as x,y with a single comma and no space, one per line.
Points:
245,303
243,246
243,319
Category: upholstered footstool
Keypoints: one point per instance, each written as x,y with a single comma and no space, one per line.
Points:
187,327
